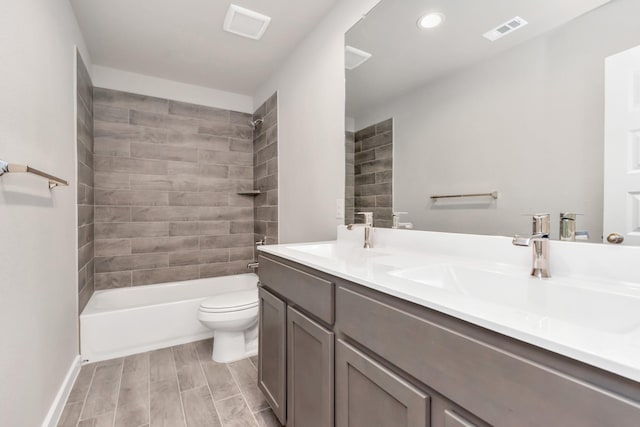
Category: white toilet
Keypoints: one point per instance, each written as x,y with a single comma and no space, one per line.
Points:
233,317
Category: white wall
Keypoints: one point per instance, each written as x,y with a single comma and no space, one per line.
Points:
38,284
311,125
529,123
110,78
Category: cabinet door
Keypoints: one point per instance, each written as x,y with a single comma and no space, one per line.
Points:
272,357
452,419
309,372
370,395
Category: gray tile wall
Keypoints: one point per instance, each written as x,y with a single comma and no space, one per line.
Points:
265,170
84,145
349,185
374,172
166,177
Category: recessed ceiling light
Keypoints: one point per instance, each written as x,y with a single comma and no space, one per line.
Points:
430,20
245,22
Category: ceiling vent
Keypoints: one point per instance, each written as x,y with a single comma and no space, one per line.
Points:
245,22
507,28
353,58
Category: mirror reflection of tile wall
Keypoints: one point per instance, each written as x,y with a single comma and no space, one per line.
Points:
372,173
349,186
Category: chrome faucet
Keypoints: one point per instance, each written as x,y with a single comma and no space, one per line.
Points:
568,228
539,239
368,228
395,223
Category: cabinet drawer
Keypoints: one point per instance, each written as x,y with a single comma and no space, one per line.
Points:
499,387
310,292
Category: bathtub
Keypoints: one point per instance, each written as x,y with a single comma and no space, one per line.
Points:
125,321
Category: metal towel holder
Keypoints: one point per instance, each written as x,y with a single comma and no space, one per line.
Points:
15,168
493,195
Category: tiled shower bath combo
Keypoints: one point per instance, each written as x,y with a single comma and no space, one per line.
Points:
170,194
166,178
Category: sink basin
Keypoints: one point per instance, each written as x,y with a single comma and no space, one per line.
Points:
332,250
325,250
605,307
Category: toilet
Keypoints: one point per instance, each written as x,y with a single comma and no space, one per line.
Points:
233,317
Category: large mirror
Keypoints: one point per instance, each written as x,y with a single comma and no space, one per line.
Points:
502,100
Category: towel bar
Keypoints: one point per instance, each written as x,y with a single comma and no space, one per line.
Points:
15,168
493,195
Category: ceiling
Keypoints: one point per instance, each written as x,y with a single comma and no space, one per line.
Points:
183,40
405,57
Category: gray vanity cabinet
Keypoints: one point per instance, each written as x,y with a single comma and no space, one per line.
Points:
272,352
401,364
309,372
368,394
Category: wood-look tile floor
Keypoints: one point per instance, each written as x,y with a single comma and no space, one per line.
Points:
171,387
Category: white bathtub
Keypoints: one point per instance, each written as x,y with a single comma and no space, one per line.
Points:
120,322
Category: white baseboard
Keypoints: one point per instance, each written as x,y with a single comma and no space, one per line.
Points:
53,416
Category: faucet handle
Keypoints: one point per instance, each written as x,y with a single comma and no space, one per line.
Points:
368,217
519,240
541,224
569,215
395,223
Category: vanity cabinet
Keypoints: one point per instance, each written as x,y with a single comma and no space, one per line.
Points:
401,364
297,344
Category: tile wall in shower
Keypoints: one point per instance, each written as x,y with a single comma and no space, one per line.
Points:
265,170
166,178
84,145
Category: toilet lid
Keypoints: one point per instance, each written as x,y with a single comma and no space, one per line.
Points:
231,301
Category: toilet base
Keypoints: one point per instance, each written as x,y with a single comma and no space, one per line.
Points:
233,346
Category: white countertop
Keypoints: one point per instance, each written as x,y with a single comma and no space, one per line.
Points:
589,310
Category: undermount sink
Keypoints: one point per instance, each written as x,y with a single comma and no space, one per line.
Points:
325,250
332,250
583,303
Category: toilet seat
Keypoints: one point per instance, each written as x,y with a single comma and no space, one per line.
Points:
230,302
